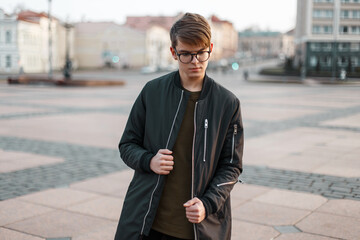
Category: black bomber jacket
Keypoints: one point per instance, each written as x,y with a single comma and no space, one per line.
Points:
153,124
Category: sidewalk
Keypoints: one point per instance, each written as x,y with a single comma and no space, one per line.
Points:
61,177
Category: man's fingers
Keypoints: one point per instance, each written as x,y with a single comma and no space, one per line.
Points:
166,163
168,158
164,172
165,151
191,202
166,168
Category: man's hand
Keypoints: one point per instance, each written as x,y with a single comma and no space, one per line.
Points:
195,210
162,163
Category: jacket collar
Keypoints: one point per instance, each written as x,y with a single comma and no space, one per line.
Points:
207,84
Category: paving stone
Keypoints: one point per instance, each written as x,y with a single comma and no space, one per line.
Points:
58,197
8,234
104,207
292,199
268,214
59,223
287,229
15,210
342,207
331,225
246,230
302,236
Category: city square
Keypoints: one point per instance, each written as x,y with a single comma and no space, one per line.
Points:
61,176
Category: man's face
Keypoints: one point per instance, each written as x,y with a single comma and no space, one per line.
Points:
194,70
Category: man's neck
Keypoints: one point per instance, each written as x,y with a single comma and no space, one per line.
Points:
192,85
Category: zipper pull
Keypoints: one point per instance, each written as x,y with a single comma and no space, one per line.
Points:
206,123
235,129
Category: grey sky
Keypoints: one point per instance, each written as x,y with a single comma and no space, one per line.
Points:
277,15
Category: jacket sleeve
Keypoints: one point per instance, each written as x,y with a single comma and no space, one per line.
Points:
131,147
229,166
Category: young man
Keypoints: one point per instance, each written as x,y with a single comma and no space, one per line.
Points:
184,139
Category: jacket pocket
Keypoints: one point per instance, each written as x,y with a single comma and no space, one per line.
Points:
233,143
206,126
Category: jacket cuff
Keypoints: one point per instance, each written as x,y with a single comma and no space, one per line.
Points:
145,161
208,207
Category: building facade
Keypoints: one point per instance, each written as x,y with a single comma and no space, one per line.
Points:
107,44
327,37
260,44
156,29
9,53
224,37
24,43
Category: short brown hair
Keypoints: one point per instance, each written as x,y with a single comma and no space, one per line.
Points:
192,29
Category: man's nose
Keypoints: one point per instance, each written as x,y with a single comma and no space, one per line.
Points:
194,59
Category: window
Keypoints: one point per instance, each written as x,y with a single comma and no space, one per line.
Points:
8,61
315,47
313,61
316,29
355,47
344,29
8,36
355,61
350,1
356,14
344,13
322,29
344,47
323,1
327,29
355,29
322,13
326,47
325,61
343,61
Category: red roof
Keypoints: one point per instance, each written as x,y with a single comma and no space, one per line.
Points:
215,19
30,16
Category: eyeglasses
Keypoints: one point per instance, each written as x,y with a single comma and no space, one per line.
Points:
201,56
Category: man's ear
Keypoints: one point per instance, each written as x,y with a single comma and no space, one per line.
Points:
211,46
173,53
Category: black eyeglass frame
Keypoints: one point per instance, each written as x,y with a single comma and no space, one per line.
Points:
192,55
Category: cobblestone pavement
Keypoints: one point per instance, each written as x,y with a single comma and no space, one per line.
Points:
294,107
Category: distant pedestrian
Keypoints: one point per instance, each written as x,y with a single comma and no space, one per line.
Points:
343,74
246,75
184,139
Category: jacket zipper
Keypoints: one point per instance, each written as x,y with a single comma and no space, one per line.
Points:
192,164
227,183
233,143
158,180
206,128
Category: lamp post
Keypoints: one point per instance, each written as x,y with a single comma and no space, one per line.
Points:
50,42
68,64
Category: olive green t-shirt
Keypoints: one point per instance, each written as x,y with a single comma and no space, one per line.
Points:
171,217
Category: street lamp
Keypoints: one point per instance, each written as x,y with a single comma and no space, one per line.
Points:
68,64
50,42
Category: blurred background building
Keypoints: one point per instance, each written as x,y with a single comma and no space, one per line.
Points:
266,44
107,44
32,37
224,37
142,42
9,53
327,37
